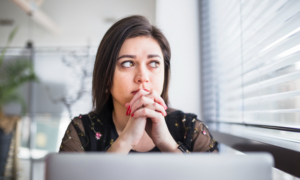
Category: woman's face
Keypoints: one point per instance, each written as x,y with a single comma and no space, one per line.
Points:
140,65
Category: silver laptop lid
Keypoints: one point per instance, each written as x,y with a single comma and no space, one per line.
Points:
200,166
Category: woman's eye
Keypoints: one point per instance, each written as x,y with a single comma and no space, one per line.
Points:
127,64
154,64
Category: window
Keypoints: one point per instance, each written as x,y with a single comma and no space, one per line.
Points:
250,52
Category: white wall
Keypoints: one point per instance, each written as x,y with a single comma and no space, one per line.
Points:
179,21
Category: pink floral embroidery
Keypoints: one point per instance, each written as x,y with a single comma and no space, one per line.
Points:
98,135
204,132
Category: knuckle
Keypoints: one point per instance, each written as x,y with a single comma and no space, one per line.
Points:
160,115
143,98
144,111
151,97
142,92
151,93
139,92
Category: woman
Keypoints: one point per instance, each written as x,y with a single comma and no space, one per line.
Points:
130,97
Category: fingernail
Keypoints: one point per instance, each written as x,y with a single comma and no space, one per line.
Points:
132,114
166,107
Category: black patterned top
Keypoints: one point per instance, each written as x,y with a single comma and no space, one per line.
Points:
93,132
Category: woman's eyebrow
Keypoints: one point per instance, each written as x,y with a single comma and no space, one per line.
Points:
127,56
133,56
153,55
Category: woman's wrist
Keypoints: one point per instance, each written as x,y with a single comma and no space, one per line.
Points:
169,146
121,145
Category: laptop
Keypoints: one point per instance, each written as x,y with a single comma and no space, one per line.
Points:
152,166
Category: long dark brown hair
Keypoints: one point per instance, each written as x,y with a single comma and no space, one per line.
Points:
108,52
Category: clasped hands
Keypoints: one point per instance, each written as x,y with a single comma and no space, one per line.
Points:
147,111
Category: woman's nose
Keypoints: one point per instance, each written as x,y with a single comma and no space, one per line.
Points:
141,76
141,79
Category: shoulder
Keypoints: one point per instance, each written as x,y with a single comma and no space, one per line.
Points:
97,120
180,116
83,120
77,123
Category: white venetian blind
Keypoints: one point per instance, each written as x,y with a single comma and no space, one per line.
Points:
251,61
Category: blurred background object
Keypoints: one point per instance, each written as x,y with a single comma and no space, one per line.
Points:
13,74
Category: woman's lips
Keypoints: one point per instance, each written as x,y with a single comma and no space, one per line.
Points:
134,92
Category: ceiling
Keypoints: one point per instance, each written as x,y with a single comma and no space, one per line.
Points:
82,22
